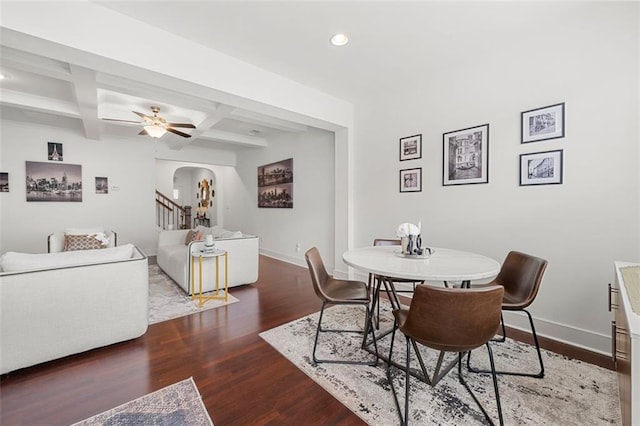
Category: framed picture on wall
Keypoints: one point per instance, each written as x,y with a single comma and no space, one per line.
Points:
411,180
542,124
466,156
275,185
4,182
54,151
53,182
102,185
541,168
411,147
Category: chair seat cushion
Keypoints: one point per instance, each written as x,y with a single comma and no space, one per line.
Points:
346,291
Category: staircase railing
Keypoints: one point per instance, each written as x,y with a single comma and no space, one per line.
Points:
170,215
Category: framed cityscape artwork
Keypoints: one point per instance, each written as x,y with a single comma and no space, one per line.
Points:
411,180
53,182
275,185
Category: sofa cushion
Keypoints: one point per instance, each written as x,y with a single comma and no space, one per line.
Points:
83,242
19,262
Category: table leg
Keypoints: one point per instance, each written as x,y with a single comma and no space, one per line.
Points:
200,295
226,276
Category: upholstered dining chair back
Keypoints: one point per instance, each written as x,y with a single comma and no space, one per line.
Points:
520,275
319,275
453,319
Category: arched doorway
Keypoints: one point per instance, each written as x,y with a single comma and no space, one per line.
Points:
197,187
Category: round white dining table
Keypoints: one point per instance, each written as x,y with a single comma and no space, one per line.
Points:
442,265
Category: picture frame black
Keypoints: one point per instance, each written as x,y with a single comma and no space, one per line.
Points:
275,185
4,182
102,185
465,158
541,124
53,182
542,168
54,151
411,147
411,180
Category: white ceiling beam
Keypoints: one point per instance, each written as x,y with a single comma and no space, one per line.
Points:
86,93
24,61
208,123
272,122
233,138
38,103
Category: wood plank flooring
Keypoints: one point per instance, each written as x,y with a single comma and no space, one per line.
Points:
243,381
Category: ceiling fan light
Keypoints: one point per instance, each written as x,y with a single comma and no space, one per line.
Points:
155,131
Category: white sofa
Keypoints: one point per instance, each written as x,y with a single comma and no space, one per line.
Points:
57,304
174,260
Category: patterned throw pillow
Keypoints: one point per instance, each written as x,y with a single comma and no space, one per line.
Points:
192,236
82,242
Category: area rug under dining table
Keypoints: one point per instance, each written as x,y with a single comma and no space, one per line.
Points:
571,393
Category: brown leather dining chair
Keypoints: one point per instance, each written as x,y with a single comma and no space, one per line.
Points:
332,291
520,275
449,320
375,282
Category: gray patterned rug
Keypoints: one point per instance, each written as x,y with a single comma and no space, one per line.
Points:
571,393
176,405
168,301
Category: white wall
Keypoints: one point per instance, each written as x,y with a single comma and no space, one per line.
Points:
585,55
128,210
311,221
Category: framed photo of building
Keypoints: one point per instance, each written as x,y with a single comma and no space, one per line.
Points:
466,156
542,124
54,151
275,185
541,168
411,147
53,182
411,180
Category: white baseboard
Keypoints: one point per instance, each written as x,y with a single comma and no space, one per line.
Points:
285,258
574,336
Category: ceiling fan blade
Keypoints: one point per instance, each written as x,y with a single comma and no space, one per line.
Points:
121,121
187,125
177,132
143,116
143,132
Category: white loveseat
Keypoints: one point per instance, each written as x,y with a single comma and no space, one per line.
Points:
57,304
242,249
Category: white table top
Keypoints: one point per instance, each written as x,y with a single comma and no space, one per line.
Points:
443,265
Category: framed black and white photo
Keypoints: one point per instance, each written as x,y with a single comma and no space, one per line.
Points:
411,180
275,185
541,168
54,151
542,124
466,156
102,185
411,147
53,182
4,182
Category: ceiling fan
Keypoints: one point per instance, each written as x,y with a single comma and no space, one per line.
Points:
156,126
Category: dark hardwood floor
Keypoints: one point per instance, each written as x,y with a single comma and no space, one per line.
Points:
242,379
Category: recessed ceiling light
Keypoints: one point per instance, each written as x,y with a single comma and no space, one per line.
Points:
339,39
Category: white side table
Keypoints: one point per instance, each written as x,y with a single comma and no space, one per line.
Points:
200,255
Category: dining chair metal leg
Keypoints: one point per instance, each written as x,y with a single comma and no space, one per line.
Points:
538,375
390,379
495,386
367,328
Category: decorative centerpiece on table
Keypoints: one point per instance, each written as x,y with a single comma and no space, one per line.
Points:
411,241
209,244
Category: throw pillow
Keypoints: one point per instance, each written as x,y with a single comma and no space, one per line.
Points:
82,242
189,237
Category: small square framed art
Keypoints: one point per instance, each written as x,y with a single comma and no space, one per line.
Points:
411,180
542,124
541,168
411,148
